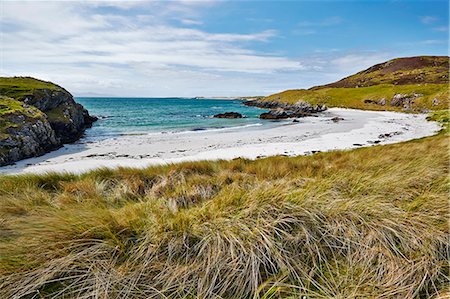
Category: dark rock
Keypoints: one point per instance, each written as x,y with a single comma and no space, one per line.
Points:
299,108
274,114
66,117
387,135
228,115
29,135
381,102
48,118
280,110
295,121
336,119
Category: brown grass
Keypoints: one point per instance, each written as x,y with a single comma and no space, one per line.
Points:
367,223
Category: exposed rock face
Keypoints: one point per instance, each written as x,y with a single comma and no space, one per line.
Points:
228,115
405,101
280,110
26,133
37,117
274,114
67,118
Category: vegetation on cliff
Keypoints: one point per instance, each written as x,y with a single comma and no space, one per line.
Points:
36,117
365,223
412,84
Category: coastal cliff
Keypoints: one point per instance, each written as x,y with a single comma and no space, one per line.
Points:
37,117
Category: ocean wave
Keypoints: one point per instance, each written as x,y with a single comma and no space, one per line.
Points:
214,129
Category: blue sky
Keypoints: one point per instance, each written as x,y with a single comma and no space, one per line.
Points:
211,48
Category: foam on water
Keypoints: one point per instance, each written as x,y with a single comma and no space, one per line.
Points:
124,116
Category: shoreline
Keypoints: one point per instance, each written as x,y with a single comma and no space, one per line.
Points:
311,134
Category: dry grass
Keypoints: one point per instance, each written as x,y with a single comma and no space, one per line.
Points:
367,223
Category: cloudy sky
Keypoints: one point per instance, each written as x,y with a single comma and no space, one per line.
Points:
211,48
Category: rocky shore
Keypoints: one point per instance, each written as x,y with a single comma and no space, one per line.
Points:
280,110
37,117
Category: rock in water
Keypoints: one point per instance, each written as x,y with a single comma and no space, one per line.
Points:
228,115
37,117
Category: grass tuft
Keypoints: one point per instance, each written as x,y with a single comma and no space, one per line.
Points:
366,223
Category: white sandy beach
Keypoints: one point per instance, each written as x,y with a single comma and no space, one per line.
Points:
309,135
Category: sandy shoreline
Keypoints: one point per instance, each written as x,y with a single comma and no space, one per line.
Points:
311,134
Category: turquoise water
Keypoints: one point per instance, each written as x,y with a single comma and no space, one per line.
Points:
145,115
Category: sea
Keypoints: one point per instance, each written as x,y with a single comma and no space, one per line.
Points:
126,116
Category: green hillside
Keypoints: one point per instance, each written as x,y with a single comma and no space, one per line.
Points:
399,71
358,98
422,83
20,87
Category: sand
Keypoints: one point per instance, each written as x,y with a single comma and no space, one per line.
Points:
311,134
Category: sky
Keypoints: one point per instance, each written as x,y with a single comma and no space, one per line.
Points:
211,47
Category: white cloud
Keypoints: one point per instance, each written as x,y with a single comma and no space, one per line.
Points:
86,49
152,49
191,22
428,19
441,28
321,23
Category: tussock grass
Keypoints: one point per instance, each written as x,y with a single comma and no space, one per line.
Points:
367,223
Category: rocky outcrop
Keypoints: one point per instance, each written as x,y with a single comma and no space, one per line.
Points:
274,114
281,110
37,117
24,133
406,101
228,115
66,117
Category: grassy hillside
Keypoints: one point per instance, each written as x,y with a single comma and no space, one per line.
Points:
366,223
424,79
355,97
399,71
20,87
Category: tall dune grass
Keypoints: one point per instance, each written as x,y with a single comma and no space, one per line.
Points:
367,223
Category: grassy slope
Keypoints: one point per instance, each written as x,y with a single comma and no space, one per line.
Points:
399,71
426,75
20,87
349,224
354,97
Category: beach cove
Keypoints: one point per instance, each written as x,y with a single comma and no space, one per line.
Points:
356,128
